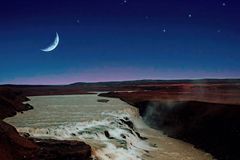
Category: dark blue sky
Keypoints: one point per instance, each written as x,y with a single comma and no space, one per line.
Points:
104,40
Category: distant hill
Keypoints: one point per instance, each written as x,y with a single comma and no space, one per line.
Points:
147,81
221,85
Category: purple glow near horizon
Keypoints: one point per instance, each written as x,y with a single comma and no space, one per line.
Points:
112,74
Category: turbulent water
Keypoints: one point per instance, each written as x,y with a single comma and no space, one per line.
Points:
114,129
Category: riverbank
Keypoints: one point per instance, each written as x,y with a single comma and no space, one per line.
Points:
13,146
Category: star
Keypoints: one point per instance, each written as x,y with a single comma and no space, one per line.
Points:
189,15
223,4
164,30
78,21
146,17
124,2
219,30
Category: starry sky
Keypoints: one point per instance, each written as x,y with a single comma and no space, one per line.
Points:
113,40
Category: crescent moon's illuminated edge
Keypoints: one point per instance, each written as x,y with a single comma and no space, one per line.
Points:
53,45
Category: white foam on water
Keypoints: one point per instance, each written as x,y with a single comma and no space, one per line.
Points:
120,140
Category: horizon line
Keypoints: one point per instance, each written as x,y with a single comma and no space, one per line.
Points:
116,81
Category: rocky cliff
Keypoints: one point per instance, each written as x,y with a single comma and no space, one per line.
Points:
206,115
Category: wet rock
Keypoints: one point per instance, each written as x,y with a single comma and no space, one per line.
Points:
103,100
73,134
126,118
106,133
28,106
139,136
129,130
123,136
128,123
24,134
50,149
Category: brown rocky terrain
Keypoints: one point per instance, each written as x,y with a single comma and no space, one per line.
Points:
16,147
204,114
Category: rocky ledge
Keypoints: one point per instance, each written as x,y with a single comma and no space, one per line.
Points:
16,147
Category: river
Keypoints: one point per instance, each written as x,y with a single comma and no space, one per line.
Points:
113,129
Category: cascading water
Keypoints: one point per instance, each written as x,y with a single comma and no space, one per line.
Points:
114,129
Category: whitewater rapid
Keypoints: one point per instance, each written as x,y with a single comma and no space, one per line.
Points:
114,129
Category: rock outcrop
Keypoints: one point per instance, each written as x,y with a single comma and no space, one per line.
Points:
51,149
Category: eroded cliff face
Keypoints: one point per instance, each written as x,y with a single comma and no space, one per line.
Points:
16,147
11,103
13,146
212,127
209,120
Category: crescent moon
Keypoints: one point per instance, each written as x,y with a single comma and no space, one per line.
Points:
52,46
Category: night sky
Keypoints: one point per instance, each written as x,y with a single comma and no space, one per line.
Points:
108,40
